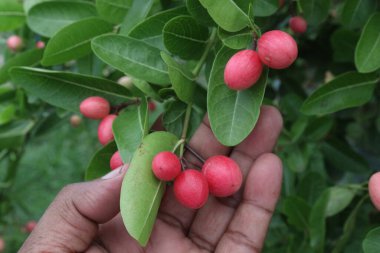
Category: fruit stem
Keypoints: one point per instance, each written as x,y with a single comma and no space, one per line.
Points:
185,128
192,151
209,45
177,145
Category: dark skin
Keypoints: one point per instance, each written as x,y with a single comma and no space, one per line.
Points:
85,217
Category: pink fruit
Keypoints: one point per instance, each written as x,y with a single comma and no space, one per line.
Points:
191,189
14,43
243,70
277,49
40,44
374,189
298,24
95,107
2,244
30,225
151,106
75,120
166,166
116,161
105,133
223,175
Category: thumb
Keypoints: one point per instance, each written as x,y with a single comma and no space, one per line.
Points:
70,224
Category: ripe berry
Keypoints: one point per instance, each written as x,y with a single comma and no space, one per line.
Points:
40,44
116,161
95,107
14,43
151,106
243,70
191,189
223,175
298,24
75,120
166,166
125,81
105,133
277,49
30,225
2,244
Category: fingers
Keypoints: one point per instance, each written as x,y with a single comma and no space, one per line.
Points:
374,189
212,220
204,143
71,221
248,227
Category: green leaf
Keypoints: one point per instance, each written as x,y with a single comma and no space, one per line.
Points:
318,223
264,8
297,211
199,13
141,192
367,53
315,11
343,43
311,186
227,14
100,162
233,114
339,199
113,11
239,40
345,91
371,243
129,128
28,58
74,41
147,89
174,117
12,135
318,128
67,90
150,29
356,12
7,113
133,57
47,18
185,37
138,12
11,15
181,79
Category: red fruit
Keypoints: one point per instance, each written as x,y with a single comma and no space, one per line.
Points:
14,43
166,166
151,106
243,70
2,244
40,44
191,189
105,133
116,161
30,225
95,107
277,49
298,24
223,175
75,120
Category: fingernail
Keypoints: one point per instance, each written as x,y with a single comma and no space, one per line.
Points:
116,172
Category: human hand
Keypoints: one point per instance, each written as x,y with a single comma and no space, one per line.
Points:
85,217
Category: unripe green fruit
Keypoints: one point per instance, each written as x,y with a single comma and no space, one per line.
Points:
116,161
298,24
95,107
243,70
223,175
166,166
105,134
277,49
191,189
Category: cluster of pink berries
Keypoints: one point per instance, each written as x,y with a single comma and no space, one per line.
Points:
220,176
276,49
15,43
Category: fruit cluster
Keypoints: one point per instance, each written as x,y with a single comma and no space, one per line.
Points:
220,176
15,43
275,49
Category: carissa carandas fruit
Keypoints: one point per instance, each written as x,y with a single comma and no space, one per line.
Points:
223,175
14,43
277,49
166,166
298,24
116,161
105,133
95,107
243,70
191,189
